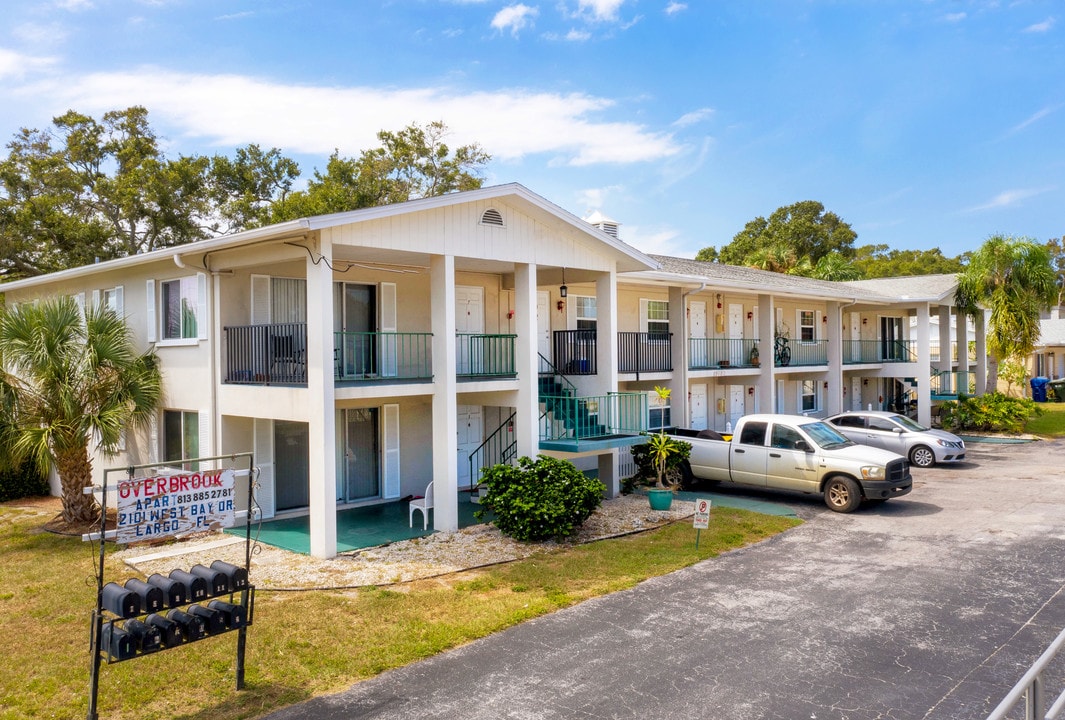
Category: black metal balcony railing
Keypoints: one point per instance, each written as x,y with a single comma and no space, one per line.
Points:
713,353
383,355
484,355
574,352
266,354
645,352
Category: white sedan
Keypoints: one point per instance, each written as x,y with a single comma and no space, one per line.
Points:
923,446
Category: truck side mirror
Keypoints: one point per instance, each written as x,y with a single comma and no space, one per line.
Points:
803,445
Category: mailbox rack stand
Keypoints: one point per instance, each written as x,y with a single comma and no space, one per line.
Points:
247,597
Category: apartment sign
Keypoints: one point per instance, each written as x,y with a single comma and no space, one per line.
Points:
155,507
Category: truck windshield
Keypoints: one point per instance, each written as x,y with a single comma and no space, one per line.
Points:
824,435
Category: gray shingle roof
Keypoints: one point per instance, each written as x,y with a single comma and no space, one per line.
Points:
915,287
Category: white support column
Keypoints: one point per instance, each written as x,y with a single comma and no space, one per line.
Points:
834,394
944,364
980,321
606,336
961,337
766,387
321,410
923,373
445,387
678,325
526,423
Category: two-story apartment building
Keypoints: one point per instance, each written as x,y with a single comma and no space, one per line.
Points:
361,355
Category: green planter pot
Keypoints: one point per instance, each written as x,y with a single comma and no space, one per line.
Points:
660,498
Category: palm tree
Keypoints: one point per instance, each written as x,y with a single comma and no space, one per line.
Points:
68,378
1013,278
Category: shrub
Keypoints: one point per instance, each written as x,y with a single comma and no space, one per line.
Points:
24,481
992,412
539,500
645,466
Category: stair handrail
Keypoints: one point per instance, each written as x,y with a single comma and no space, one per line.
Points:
553,371
475,480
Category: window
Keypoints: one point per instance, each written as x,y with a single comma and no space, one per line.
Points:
808,396
881,424
785,438
112,298
807,326
586,312
658,410
179,308
753,433
657,318
181,436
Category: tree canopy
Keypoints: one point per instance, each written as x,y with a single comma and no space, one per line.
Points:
801,230
85,190
1013,278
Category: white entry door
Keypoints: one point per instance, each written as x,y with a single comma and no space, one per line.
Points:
735,410
735,334
543,328
469,320
697,332
698,407
470,436
856,393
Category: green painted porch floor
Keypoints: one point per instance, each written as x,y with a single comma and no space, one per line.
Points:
357,528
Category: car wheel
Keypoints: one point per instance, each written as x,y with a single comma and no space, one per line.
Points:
922,456
842,494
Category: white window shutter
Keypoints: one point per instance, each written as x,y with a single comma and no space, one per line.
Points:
120,308
264,460
79,300
643,314
149,293
95,299
153,438
260,299
205,448
390,461
819,332
202,316
388,324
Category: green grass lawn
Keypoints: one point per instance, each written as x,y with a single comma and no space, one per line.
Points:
302,644
1051,423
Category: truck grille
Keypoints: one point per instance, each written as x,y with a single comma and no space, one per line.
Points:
896,470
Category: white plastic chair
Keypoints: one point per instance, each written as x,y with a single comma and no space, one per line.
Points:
423,504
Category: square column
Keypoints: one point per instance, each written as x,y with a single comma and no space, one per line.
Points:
944,364
766,398
923,373
980,321
606,336
321,410
834,394
527,363
679,404
445,387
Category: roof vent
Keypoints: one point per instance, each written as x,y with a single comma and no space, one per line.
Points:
492,216
604,223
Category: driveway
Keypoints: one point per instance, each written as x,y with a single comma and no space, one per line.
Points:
928,606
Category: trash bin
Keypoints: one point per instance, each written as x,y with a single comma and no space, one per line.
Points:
1056,388
1039,388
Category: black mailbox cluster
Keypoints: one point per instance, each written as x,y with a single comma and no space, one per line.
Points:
170,610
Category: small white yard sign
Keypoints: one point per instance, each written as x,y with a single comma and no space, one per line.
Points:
702,514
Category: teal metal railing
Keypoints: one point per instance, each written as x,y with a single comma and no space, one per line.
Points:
712,353
593,416
383,355
484,355
878,351
951,384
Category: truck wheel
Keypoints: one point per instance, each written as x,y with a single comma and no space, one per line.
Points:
686,477
842,494
922,456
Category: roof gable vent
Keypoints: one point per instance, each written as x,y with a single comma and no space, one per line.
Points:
603,223
609,228
492,216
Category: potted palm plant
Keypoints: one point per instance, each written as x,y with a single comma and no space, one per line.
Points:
664,452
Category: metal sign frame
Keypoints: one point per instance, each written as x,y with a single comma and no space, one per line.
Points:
104,534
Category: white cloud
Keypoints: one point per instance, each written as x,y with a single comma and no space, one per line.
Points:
652,241
693,117
675,7
74,5
233,110
16,65
1042,27
955,17
1034,118
592,199
514,18
36,35
1008,198
599,10
236,15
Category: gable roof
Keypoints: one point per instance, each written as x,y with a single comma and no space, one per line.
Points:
931,288
628,258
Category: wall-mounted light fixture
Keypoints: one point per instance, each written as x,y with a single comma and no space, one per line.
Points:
826,384
750,315
562,289
718,296
865,381
865,320
824,318
750,391
510,315
561,305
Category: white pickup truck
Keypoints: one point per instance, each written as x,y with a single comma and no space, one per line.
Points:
792,452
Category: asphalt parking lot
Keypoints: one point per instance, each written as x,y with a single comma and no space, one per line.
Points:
928,606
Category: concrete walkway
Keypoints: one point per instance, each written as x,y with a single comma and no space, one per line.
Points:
929,606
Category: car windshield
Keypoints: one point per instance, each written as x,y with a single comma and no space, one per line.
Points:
908,423
825,435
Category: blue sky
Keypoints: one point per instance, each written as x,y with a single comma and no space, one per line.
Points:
923,124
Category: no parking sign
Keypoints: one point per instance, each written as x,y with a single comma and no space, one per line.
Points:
702,514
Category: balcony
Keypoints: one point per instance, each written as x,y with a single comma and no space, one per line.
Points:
800,353
877,351
593,422
641,352
481,355
573,352
715,353
382,356
266,354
